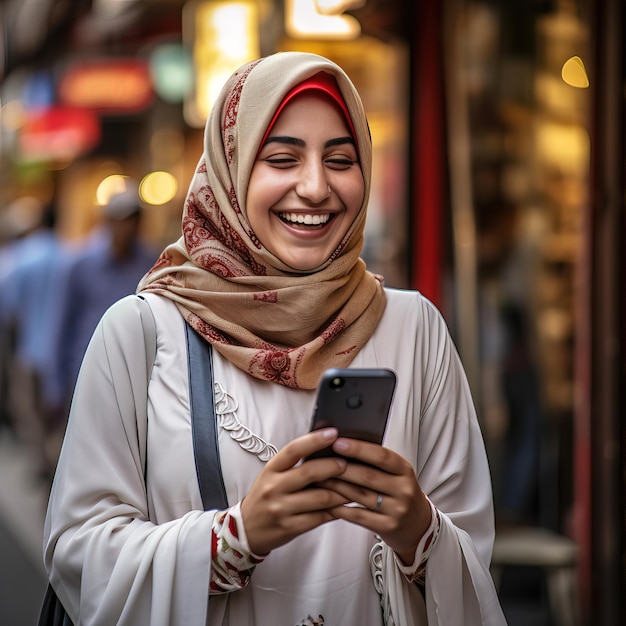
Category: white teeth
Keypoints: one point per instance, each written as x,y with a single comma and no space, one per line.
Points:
308,219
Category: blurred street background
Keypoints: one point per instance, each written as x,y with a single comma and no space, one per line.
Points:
499,142
22,501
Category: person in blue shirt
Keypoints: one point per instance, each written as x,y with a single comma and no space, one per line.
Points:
107,269
30,289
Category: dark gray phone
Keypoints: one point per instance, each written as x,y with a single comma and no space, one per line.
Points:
356,401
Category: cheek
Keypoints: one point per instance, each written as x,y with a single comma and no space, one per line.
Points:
256,198
355,194
265,189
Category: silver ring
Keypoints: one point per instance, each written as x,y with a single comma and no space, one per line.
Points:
379,502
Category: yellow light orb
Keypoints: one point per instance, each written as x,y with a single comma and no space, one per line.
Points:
158,188
111,185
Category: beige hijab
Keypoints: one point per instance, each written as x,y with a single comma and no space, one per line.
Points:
274,322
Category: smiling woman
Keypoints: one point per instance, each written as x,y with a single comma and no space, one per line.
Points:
269,275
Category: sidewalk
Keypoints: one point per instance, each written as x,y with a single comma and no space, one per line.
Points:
22,508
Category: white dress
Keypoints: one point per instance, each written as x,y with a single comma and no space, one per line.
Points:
123,550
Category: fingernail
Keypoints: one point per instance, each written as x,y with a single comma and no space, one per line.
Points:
341,445
329,433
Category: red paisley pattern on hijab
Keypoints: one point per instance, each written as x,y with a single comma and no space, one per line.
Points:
232,108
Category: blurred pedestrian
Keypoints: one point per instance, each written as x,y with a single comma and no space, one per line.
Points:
29,292
108,268
34,391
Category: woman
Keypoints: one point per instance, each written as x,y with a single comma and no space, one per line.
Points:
268,272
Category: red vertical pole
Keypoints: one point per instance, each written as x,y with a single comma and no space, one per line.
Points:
428,152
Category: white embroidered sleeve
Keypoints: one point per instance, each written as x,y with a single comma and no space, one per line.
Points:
416,571
232,561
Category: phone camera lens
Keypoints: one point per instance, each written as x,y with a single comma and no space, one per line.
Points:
336,383
354,402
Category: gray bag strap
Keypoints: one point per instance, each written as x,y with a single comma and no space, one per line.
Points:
149,333
204,421
150,342
203,416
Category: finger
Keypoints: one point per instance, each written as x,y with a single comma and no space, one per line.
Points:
311,473
315,471
282,519
302,447
376,521
301,502
271,487
350,491
287,529
371,454
315,499
359,481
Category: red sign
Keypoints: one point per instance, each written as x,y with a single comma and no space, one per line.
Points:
59,133
107,85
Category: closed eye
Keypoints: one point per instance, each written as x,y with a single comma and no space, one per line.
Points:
333,146
339,162
281,160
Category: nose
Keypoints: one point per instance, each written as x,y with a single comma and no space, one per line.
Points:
313,184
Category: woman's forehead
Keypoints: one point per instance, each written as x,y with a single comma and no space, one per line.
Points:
307,109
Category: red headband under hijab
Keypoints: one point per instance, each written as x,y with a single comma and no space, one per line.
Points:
320,82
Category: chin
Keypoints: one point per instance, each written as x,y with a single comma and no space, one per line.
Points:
304,266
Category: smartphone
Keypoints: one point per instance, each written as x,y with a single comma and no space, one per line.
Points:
356,402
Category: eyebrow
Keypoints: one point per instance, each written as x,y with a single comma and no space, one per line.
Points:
294,141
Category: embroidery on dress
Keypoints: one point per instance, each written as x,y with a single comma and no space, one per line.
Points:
378,577
312,621
226,409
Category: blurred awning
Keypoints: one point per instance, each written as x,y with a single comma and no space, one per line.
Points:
39,31
31,28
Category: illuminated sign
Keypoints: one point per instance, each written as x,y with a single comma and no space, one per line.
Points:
58,133
222,35
306,19
107,85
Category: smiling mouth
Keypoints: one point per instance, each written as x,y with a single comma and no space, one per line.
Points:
317,220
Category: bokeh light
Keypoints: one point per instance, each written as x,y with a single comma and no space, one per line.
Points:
111,185
158,188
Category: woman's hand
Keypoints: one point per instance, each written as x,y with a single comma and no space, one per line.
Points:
286,499
393,504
